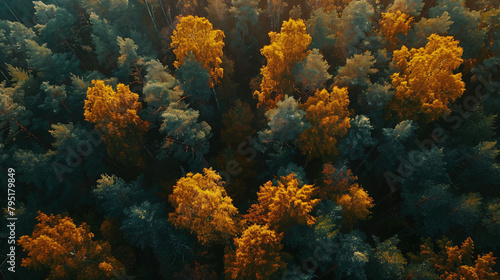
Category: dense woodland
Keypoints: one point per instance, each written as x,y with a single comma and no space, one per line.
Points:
246,139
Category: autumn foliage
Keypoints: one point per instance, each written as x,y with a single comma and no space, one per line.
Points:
393,24
67,250
202,206
425,83
457,262
328,115
196,35
115,113
343,188
257,255
284,205
286,48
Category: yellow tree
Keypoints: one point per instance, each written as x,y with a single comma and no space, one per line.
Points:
286,49
196,35
115,114
67,251
343,188
283,205
202,205
257,255
454,262
393,24
328,115
425,83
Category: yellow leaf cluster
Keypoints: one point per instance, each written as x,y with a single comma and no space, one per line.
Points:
284,205
392,24
286,49
344,189
454,262
202,205
67,250
196,35
115,114
257,254
328,115
425,83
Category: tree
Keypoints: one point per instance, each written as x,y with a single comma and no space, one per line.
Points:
286,122
194,80
465,26
67,251
54,24
257,255
342,187
356,71
196,35
393,24
186,138
329,6
425,83
454,262
283,205
358,139
409,7
328,115
322,26
354,26
286,49
160,90
115,114
353,255
312,72
417,37
115,194
202,206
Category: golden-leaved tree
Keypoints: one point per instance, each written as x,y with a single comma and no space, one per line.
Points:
425,83
203,206
286,48
343,188
328,115
115,113
67,251
196,35
284,205
393,24
454,262
257,255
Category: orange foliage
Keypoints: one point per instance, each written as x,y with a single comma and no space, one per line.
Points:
328,115
257,254
425,83
286,49
115,114
202,205
196,35
393,24
284,205
346,192
453,262
67,250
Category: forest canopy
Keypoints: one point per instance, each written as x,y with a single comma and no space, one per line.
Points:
250,139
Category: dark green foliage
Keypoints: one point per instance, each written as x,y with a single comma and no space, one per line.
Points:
358,140
193,78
